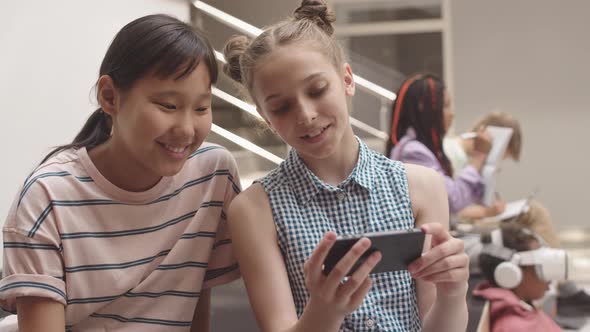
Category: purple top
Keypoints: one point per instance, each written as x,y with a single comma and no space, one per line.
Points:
463,190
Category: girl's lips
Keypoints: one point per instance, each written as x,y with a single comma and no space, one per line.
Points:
318,137
315,133
175,151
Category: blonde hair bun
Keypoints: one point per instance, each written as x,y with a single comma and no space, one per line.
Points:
316,11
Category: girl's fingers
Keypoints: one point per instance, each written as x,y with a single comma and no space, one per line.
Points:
446,249
356,279
357,298
449,263
313,266
346,263
438,232
454,275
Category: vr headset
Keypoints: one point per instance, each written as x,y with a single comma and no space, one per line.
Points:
550,264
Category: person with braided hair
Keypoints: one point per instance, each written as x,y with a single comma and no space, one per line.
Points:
283,226
421,116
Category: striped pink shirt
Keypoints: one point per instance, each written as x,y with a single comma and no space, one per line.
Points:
119,260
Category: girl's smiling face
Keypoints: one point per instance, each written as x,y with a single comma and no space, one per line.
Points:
302,97
158,123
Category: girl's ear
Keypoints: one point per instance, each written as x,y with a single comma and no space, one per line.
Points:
349,87
107,95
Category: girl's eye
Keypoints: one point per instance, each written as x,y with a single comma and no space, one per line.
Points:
318,91
166,105
202,109
281,109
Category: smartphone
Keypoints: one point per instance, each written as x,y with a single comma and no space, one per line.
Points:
398,249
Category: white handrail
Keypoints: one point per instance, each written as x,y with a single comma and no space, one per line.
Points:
252,110
236,102
375,132
246,144
377,90
253,31
232,21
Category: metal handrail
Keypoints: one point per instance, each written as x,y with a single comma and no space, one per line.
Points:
252,110
246,144
253,31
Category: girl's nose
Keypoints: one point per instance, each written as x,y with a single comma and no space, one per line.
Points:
184,126
306,113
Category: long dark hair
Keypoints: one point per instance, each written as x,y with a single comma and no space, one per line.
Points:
158,44
419,105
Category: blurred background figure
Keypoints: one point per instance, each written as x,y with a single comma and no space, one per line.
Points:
422,115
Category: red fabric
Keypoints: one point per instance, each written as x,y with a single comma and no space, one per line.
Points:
508,313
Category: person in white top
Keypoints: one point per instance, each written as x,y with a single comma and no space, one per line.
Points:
461,147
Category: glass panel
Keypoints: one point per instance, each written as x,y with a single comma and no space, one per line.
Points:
387,59
378,11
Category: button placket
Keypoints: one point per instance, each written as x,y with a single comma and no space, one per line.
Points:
341,196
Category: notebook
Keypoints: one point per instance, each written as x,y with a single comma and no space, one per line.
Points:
500,138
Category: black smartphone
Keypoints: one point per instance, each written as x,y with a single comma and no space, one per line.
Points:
398,249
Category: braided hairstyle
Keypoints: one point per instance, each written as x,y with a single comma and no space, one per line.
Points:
419,105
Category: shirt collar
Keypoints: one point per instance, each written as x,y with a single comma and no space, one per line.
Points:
306,184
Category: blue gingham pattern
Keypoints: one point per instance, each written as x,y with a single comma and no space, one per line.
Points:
373,198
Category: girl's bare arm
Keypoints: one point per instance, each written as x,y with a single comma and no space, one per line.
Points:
40,314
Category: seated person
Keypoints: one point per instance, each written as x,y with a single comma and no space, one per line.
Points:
460,150
422,114
510,263
572,300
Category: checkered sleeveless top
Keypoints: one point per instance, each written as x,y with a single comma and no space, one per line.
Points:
373,198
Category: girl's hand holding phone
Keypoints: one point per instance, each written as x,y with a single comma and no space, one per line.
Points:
445,264
333,295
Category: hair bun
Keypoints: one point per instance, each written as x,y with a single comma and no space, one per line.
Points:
316,11
232,51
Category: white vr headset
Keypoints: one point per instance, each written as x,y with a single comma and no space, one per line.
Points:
550,264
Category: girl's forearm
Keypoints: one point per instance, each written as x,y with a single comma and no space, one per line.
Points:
40,314
316,321
447,315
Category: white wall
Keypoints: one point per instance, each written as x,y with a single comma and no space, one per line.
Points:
50,53
530,58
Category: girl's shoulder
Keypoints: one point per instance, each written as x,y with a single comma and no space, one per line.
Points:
252,203
61,173
208,159
63,161
383,167
56,172
274,180
212,154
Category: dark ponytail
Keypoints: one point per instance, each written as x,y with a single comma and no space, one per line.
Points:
95,131
157,44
